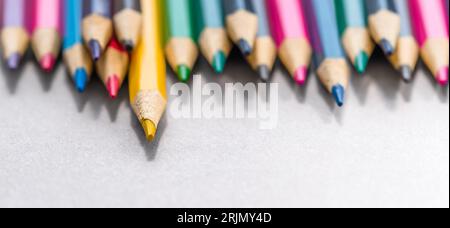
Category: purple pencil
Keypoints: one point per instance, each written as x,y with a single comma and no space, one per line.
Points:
14,34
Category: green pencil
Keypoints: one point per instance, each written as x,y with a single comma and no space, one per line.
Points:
212,35
180,46
355,35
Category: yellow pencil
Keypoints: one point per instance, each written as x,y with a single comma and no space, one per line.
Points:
147,79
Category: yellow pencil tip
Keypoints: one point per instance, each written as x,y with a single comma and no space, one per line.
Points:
150,129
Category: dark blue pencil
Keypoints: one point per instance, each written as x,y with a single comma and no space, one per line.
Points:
384,24
329,57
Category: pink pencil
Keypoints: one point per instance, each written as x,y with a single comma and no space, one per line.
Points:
291,36
430,24
46,28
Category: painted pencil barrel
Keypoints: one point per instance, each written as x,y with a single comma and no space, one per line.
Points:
431,30
127,22
354,32
14,34
329,58
180,46
242,24
76,57
97,25
264,54
212,35
384,24
46,38
289,30
147,79
407,53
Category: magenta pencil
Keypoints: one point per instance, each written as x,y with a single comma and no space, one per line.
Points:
291,36
431,29
46,32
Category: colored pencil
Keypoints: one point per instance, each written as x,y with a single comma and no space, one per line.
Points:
431,30
76,56
264,54
14,34
329,57
112,67
46,37
406,55
446,8
384,24
97,26
242,24
213,38
127,22
147,79
180,46
290,32
355,35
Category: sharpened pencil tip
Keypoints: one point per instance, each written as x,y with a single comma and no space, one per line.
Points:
218,63
338,92
361,62
387,47
48,62
81,79
96,49
149,129
183,73
13,61
128,45
245,47
407,73
300,76
442,76
264,73
113,86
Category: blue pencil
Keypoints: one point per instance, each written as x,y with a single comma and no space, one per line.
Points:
329,57
76,57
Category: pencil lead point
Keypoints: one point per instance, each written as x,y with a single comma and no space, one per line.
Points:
218,63
387,47
149,129
301,75
338,92
81,80
184,73
442,76
128,45
13,61
264,73
245,47
361,62
96,49
407,73
113,86
48,62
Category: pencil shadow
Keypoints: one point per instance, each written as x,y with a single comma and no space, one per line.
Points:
47,78
441,91
150,148
80,99
113,105
12,77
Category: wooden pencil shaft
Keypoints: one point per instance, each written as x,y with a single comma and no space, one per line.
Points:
119,5
114,63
